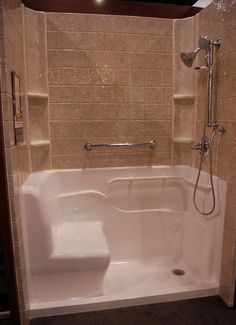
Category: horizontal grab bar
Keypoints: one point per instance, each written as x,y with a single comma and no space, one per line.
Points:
152,144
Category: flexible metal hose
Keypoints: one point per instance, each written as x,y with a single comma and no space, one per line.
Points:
212,186
211,178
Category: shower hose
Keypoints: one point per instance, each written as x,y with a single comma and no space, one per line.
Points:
211,178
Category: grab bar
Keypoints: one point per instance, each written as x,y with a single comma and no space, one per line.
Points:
152,144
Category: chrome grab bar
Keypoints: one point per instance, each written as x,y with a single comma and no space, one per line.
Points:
152,144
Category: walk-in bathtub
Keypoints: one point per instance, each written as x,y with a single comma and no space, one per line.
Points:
112,237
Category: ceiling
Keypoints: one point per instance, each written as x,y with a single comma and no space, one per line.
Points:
176,2
189,3
147,8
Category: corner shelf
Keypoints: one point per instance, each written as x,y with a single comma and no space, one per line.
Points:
184,97
37,97
40,143
183,140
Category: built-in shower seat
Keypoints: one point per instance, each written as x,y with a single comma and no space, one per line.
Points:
79,253
83,242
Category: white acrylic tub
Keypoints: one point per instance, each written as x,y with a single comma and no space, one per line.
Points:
111,237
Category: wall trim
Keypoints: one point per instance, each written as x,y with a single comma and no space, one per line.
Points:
5,230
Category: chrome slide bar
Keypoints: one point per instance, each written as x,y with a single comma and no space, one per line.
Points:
151,145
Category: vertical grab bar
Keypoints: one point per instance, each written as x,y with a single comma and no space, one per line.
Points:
210,114
210,121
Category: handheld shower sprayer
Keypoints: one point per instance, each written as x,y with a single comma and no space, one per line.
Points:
188,58
204,147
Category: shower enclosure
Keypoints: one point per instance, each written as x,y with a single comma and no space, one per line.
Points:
98,235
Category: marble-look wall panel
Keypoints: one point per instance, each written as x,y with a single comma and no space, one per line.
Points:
219,21
110,80
17,157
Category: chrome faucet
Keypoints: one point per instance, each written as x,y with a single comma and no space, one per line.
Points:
203,146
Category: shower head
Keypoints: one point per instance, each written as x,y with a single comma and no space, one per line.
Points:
188,58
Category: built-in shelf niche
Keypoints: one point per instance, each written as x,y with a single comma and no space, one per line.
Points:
40,143
184,117
183,140
40,155
187,97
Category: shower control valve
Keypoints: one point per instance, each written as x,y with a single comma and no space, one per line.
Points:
203,146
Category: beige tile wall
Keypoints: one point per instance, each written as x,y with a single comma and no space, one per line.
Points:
18,167
110,80
219,21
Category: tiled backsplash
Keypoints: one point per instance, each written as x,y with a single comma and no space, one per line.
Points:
110,80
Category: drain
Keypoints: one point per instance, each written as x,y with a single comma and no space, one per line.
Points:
178,272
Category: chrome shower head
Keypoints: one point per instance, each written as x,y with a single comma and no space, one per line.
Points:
188,58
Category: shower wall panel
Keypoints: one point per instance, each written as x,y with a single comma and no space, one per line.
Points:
219,21
110,80
17,157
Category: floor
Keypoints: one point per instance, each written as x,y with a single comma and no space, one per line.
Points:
138,277
201,311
